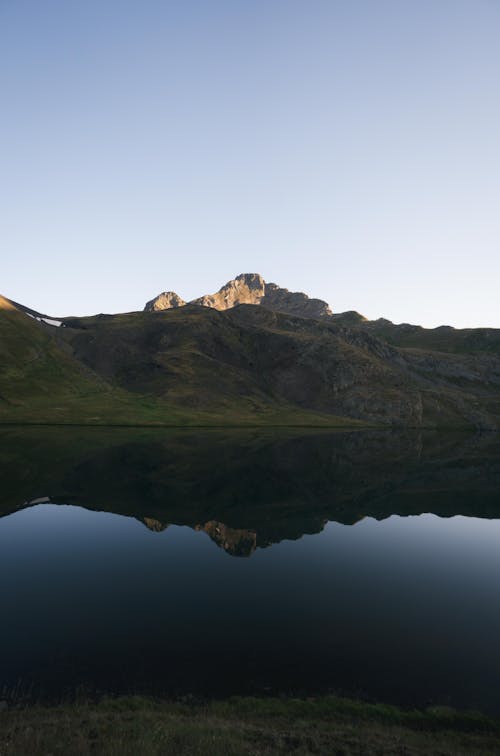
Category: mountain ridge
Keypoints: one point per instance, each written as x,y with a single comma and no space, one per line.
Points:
248,288
244,363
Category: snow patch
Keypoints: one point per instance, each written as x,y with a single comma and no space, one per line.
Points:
48,321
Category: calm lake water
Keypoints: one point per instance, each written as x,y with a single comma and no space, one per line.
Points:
366,564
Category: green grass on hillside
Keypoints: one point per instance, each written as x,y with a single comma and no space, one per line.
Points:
245,367
42,383
443,339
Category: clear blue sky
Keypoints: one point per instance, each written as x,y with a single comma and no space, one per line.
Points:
346,148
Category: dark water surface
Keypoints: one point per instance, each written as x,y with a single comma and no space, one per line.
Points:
364,563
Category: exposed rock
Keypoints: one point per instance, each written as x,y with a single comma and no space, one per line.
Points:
165,301
294,303
250,288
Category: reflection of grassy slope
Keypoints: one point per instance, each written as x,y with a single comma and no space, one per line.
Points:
42,382
244,726
279,485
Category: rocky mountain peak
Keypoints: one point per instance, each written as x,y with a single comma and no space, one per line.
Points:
164,301
250,288
252,280
247,288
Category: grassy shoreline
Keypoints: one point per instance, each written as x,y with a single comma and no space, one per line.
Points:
135,724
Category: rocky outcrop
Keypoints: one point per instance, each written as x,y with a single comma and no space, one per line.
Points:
250,288
167,300
294,303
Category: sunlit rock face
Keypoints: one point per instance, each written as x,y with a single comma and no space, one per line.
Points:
250,288
6,304
167,300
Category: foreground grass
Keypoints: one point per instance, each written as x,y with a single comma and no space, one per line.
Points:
135,725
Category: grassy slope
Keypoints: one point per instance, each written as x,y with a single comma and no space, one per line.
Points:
442,339
198,367
42,382
243,726
252,358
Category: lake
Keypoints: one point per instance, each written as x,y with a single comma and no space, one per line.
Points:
209,563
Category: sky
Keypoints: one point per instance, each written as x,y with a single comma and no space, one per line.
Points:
346,148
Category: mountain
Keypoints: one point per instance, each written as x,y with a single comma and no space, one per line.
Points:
165,301
245,364
251,360
249,288
43,381
104,370
34,367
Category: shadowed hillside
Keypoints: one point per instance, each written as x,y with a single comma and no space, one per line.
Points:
201,358
195,365
45,379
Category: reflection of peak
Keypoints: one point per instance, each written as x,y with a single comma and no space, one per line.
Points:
154,525
233,541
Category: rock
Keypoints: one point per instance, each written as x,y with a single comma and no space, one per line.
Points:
294,303
250,288
165,301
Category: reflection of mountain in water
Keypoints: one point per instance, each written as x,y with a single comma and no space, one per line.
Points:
155,525
248,490
235,541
